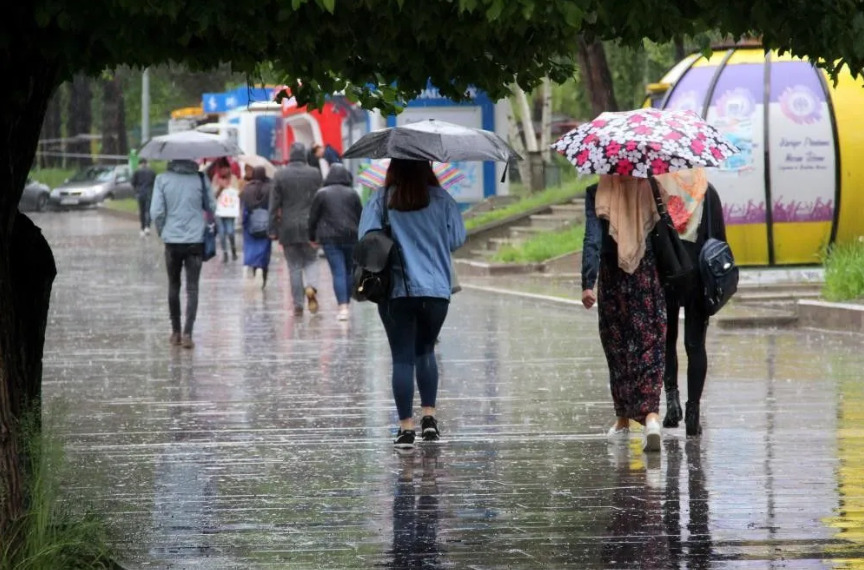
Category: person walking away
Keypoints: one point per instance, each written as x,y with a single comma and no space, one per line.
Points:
142,181
316,153
333,221
227,208
426,223
294,187
181,196
620,213
256,248
694,206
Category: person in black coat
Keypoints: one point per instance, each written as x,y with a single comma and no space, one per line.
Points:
695,324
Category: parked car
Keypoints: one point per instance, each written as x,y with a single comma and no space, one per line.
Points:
35,196
92,185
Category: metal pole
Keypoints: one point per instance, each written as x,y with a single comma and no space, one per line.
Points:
145,106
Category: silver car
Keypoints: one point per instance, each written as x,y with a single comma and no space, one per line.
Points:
92,185
35,196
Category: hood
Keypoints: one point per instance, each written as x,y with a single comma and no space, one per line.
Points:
298,152
259,173
183,166
338,176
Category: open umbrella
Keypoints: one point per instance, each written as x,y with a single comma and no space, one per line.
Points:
644,143
255,161
374,174
188,145
432,140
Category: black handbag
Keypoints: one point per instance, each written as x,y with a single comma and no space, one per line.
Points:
209,238
674,265
717,269
374,257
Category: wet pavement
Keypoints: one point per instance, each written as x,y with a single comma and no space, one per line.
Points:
268,445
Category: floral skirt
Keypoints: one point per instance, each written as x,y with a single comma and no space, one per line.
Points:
633,333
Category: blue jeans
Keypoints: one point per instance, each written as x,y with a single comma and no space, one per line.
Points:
226,232
412,325
341,259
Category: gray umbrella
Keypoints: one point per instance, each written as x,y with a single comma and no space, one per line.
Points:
432,140
188,145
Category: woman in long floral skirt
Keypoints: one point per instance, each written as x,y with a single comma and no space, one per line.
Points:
620,214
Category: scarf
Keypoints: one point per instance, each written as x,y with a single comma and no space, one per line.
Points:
686,196
628,204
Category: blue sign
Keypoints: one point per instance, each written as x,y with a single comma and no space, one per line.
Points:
235,99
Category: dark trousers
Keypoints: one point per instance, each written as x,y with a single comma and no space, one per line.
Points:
340,257
144,210
695,331
412,325
177,257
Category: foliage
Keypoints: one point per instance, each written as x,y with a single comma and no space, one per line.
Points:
844,272
543,246
53,177
549,196
53,533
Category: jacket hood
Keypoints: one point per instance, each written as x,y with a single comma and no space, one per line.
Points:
298,152
183,166
338,176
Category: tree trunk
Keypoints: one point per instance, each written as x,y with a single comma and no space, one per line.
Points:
114,139
51,131
26,274
546,121
596,76
79,121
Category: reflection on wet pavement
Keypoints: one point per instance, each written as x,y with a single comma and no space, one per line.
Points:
268,446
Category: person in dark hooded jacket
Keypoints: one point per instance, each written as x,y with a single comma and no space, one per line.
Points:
256,197
333,220
294,186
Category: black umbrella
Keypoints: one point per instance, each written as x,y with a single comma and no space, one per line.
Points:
432,140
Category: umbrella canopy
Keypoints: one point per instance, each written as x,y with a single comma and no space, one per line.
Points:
644,143
374,174
432,140
255,161
188,145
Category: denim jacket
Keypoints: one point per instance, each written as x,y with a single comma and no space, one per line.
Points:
426,237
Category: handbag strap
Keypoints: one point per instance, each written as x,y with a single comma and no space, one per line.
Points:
385,223
707,205
204,201
658,201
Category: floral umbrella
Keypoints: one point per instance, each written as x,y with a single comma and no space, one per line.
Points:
644,143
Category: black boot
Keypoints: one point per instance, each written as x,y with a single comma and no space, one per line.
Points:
691,419
224,257
673,408
264,275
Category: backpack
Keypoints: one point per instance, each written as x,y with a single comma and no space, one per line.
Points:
374,255
717,269
259,223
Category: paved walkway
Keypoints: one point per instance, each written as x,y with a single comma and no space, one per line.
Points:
268,446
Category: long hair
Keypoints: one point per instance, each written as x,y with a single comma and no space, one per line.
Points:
410,180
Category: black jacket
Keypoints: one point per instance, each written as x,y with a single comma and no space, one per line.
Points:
599,244
336,208
143,180
294,186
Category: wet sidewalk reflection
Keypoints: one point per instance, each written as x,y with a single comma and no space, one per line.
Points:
268,445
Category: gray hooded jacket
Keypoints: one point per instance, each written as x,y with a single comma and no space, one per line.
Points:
178,204
336,209
294,186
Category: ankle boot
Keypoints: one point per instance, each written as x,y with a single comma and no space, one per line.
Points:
673,408
691,419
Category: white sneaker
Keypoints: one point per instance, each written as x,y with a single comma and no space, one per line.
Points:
343,313
143,235
146,232
651,436
615,435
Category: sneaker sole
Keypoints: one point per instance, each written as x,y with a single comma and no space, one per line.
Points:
652,442
403,445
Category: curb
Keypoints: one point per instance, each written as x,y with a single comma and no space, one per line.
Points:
524,295
838,317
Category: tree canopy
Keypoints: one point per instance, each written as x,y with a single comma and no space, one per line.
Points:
366,46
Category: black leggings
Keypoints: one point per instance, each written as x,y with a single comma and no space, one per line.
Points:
695,330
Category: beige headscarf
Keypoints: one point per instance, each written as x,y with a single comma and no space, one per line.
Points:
685,196
628,204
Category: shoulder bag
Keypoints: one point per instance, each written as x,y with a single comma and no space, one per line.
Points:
209,237
674,265
717,269
374,254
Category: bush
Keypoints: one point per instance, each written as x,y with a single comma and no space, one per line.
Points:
543,246
844,271
52,535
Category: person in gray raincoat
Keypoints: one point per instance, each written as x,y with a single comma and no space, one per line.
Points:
294,187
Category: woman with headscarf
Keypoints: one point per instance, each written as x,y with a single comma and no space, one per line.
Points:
256,198
694,205
620,214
